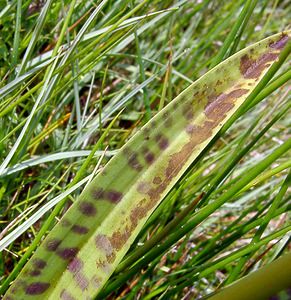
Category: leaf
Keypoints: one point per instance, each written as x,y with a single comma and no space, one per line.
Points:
248,287
81,252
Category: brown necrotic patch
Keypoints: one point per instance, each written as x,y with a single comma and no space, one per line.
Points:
37,288
65,295
80,229
67,253
162,141
279,44
111,258
219,105
139,212
96,281
103,264
52,244
87,208
157,180
119,238
252,68
218,82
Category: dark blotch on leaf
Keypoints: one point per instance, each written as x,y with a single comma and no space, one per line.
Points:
37,288
251,68
157,180
162,142
113,196
280,43
67,253
80,229
35,272
133,162
148,156
52,245
39,263
87,208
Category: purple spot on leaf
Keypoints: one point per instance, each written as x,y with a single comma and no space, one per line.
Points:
280,43
37,288
35,272
134,163
39,263
113,196
67,253
87,209
80,229
52,245
75,265
149,157
162,141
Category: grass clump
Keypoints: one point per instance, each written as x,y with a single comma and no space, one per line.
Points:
79,79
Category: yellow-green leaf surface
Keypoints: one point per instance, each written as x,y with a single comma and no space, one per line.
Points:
81,252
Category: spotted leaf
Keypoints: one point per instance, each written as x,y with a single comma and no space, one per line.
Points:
81,252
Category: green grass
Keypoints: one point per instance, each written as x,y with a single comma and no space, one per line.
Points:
78,79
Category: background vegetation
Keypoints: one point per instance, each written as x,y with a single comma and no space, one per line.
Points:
78,76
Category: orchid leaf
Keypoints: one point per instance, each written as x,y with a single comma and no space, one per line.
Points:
84,248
